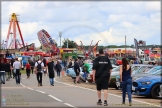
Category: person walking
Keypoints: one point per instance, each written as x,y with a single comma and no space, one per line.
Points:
12,70
8,70
126,80
39,65
28,69
45,63
50,71
2,72
102,69
77,71
17,67
32,65
58,68
70,64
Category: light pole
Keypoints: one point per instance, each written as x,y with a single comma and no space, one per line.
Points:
67,43
60,34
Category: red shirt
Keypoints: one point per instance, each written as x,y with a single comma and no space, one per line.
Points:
27,66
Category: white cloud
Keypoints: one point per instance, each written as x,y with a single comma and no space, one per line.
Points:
105,21
127,24
153,6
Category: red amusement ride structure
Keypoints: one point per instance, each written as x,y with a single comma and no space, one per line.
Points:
14,25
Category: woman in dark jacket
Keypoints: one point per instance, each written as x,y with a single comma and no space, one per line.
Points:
58,68
50,70
8,70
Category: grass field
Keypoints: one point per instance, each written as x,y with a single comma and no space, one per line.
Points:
23,71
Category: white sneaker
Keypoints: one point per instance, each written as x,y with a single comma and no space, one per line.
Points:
86,81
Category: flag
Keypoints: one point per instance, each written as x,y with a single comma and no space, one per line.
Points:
136,46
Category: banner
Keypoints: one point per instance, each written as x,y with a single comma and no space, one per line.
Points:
46,40
136,46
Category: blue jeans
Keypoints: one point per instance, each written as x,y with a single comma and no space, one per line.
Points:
58,73
17,76
2,77
127,87
85,75
51,81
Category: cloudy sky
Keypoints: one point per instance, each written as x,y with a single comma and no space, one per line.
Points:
106,21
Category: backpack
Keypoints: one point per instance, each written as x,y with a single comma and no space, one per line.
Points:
39,66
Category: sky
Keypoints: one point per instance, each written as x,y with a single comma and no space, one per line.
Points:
85,21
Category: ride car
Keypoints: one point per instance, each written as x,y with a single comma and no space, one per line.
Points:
150,86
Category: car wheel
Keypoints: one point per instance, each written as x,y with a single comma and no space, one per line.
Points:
155,91
117,87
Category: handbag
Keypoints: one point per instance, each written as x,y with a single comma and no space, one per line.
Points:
14,71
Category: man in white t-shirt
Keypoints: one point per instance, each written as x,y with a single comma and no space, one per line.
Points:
39,66
17,67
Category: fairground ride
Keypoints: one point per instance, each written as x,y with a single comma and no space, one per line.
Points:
13,41
93,49
47,41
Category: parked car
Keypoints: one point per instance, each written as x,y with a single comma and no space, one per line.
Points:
112,60
115,69
115,61
154,69
137,70
70,72
148,86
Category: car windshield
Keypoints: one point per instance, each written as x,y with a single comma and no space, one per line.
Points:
152,70
143,70
115,69
158,72
135,68
112,61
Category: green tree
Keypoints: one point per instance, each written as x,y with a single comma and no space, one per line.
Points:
71,44
132,46
41,47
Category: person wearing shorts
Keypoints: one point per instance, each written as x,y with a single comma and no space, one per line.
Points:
101,75
77,71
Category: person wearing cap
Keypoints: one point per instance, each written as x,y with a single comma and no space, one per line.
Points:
50,71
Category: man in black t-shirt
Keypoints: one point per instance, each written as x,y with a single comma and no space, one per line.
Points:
101,75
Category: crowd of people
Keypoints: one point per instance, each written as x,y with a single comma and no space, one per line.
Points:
102,68
12,68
